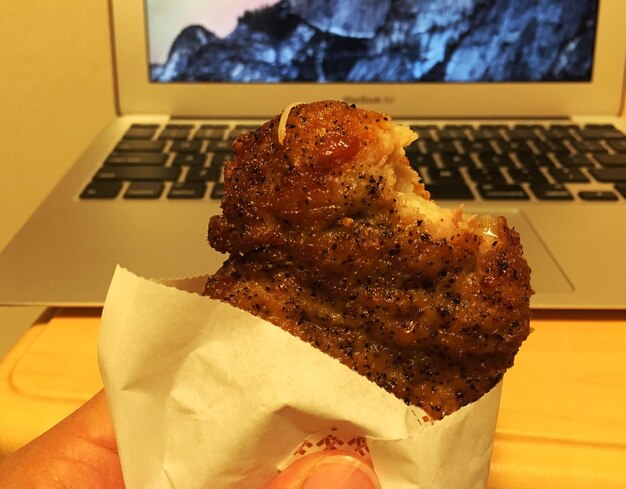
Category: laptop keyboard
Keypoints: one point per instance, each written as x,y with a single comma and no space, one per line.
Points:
562,162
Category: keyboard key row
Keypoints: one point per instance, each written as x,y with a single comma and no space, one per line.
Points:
516,137
531,146
502,191
160,159
458,161
520,132
141,146
136,158
157,174
184,132
455,160
523,175
143,173
134,146
144,190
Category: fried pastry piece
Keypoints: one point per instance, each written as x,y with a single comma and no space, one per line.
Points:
332,237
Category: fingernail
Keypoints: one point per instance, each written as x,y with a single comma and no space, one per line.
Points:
341,472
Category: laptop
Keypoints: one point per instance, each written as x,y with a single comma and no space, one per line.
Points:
516,105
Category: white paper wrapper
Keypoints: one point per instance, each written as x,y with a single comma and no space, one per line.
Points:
205,395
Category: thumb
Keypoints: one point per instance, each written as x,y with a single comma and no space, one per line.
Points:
326,470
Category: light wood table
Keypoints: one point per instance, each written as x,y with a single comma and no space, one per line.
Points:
560,423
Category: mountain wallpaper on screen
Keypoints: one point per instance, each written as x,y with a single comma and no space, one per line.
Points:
392,40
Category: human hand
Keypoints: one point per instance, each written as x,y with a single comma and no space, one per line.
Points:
80,452
326,470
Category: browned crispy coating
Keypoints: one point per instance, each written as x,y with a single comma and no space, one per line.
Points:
333,238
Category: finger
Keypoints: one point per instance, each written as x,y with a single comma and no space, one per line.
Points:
326,470
78,452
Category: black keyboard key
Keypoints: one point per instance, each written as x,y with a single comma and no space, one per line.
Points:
209,133
218,191
220,158
490,160
484,134
174,133
219,146
613,175
527,175
448,134
186,146
589,146
493,126
189,159
140,133
528,126
485,146
101,190
179,125
564,126
597,195
486,175
568,175
145,126
528,160
492,191
418,160
144,190
457,191
214,126
445,175
438,147
556,134
618,145
551,146
248,127
599,126
612,160
204,174
621,188
133,173
520,134
570,160
151,159
187,190
601,134
551,191
133,146
458,127
515,147
453,160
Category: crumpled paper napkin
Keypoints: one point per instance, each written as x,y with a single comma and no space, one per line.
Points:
205,395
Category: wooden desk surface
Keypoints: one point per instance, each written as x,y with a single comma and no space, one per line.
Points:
560,422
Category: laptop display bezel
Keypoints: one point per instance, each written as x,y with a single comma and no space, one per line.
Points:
601,96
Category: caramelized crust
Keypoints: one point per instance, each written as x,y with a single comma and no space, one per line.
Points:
332,237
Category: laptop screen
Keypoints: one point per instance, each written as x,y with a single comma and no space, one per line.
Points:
455,41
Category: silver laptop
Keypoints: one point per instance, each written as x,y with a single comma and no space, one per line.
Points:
516,105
